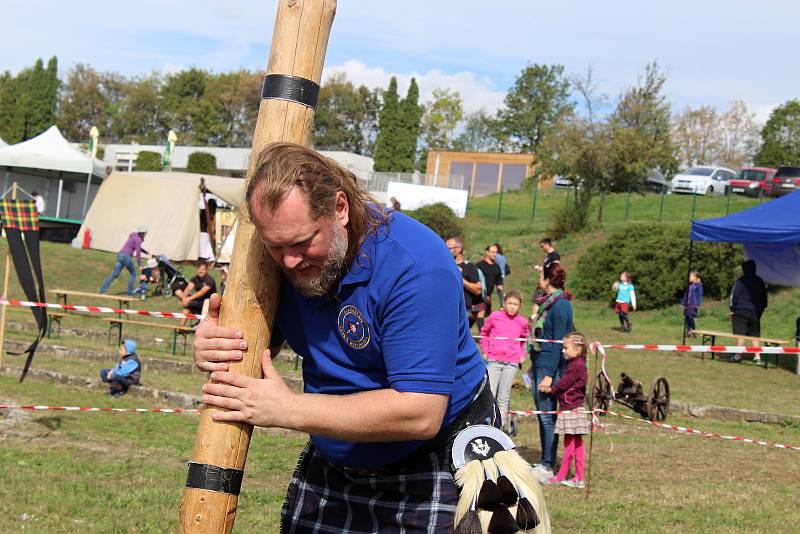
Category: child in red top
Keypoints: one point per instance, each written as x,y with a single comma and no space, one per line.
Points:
571,390
500,343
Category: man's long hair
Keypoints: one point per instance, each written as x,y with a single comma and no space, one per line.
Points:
283,166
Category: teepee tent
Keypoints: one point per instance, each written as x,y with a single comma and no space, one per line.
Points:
165,202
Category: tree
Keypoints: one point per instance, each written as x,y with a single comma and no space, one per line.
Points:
781,137
40,102
137,116
443,113
12,106
28,101
84,103
739,138
641,132
386,144
187,110
479,134
347,117
409,124
234,98
538,99
695,132
707,136
202,163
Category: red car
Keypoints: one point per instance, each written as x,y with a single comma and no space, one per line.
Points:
753,181
787,180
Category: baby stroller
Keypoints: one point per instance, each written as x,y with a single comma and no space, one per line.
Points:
172,278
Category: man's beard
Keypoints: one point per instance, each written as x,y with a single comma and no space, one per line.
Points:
330,272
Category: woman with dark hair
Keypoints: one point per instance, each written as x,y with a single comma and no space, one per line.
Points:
552,321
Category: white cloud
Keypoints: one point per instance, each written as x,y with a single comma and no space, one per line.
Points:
476,92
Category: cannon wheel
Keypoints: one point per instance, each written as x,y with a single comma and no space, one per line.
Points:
601,392
658,401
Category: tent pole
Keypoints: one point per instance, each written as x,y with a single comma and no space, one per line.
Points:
688,272
88,186
60,188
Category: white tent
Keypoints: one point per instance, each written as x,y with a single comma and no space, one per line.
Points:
50,164
3,143
166,202
50,151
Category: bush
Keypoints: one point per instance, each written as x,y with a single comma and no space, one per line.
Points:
148,161
656,257
439,218
202,163
571,218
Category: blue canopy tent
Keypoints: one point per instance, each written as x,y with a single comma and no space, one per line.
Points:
770,233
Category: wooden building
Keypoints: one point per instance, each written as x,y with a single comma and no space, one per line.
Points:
481,173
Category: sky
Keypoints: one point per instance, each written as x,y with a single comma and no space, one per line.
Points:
713,51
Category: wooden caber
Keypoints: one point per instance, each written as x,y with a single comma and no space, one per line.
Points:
286,113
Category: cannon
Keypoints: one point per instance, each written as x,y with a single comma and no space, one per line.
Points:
654,407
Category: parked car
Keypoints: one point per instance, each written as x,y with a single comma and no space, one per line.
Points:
702,180
753,181
786,180
656,182
560,181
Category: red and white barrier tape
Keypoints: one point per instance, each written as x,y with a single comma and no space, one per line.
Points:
100,309
675,428
87,409
709,348
647,347
689,430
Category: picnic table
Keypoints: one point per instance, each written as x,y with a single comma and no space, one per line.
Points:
177,330
123,301
709,337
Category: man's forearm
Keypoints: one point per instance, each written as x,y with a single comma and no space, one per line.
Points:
370,416
473,287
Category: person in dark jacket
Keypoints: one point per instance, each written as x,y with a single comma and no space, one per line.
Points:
691,302
555,318
572,424
126,372
747,304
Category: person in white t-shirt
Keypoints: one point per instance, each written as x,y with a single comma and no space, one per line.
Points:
39,199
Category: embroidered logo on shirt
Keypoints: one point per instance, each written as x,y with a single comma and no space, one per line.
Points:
352,327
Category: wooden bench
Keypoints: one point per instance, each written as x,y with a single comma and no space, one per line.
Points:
54,316
709,337
177,330
123,301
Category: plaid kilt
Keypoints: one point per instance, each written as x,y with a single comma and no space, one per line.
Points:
572,423
323,498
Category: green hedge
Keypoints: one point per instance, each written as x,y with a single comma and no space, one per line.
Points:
148,161
656,257
202,163
439,218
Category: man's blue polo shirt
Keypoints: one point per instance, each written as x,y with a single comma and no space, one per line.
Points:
398,321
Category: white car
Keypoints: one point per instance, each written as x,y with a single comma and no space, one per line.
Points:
703,180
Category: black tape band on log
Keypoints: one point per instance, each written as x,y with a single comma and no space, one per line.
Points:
213,478
291,88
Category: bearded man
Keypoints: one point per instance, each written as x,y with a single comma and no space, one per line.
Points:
374,304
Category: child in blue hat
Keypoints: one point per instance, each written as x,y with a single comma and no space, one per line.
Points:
126,372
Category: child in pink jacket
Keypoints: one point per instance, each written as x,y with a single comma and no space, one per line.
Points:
503,343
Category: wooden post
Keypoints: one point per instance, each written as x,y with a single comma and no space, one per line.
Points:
5,289
299,42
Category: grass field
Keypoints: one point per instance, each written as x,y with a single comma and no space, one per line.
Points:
101,472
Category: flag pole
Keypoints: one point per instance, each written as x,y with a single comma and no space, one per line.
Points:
5,289
94,135
286,113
